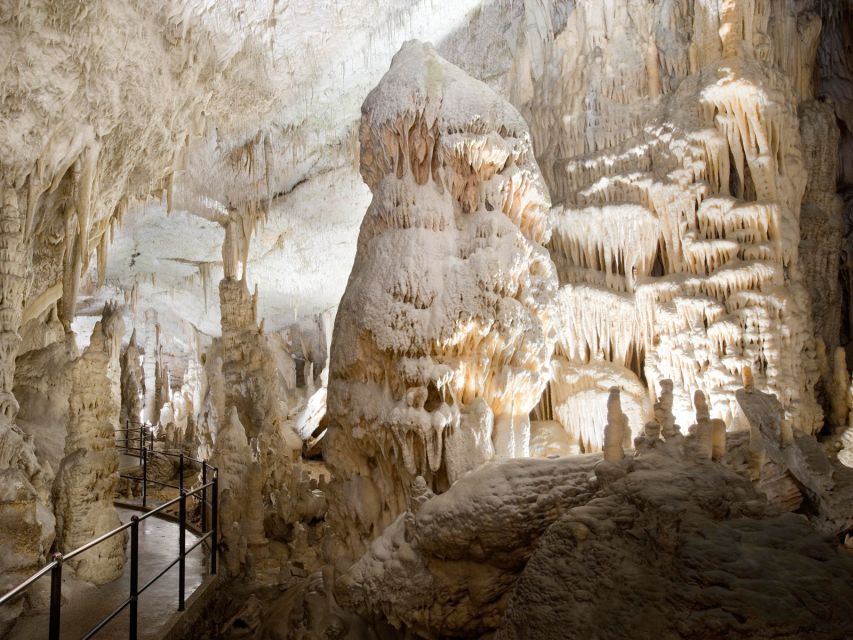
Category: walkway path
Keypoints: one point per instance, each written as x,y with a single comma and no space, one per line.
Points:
84,605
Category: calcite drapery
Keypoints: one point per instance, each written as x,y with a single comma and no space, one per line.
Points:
674,154
442,339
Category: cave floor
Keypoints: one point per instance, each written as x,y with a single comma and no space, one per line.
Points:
85,604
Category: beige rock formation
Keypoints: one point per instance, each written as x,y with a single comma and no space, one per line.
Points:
232,456
616,429
447,569
442,339
684,154
132,385
26,521
87,478
531,548
150,367
243,422
675,535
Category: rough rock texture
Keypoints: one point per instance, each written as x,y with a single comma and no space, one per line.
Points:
26,518
244,401
447,567
150,367
26,521
42,387
238,520
442,339
670,136
248,369
821,479
86,481
681,549
663,543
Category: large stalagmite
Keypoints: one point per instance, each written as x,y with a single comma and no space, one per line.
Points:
242,416
88,475
443,339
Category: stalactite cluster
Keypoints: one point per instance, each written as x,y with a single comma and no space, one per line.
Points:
682,183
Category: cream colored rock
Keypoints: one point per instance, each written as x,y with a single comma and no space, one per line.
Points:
233,457
681,179
447,569
132,385
616,429
698,533
515,546
87,478
450,296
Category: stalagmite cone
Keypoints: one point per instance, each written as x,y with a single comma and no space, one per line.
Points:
663,411
614,432
747,379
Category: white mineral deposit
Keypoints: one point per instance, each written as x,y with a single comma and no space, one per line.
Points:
489,319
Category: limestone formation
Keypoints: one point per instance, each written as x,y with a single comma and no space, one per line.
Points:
233,457
684,155
88,475
598,570
25,517
629,414
243,424
443,333
530,548
448,569
150,367
132,385
616,428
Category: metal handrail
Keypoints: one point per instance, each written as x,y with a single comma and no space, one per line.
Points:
55,566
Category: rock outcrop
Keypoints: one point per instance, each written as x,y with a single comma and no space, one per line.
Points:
132,385
26,520
664,542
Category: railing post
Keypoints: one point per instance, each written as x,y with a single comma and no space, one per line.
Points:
214,516
203,497
55,596
182,548
141,440
144,477
181,473
134,576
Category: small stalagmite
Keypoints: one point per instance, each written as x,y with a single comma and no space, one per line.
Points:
663,412
617,427
702,430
